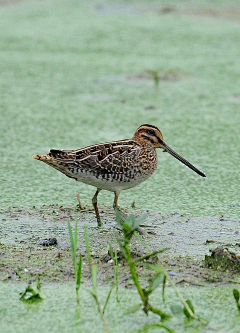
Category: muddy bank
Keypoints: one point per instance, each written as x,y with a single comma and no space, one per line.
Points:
35,241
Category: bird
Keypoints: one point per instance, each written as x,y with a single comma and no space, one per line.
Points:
114,166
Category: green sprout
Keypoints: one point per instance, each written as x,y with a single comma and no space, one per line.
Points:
129,226
77,265
32,293
94,269
236,296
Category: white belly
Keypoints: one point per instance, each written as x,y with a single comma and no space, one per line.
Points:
111,184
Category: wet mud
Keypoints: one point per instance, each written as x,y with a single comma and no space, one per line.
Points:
35,241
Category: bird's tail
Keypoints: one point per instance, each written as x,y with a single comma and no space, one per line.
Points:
42,157
52,159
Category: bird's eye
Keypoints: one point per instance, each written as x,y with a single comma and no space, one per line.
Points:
151,131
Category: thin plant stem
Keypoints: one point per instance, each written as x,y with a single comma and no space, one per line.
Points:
115,266
93,269
147,307
116,270
129,225
100,311
77,266
180,296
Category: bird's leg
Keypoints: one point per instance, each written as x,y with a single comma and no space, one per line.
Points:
115,205
79,201
94,202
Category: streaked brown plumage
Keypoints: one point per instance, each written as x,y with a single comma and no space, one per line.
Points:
113,166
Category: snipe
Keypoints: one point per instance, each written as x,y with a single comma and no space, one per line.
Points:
114,166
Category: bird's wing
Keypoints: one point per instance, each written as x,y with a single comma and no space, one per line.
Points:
106,158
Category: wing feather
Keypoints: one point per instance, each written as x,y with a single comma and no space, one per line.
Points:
105,158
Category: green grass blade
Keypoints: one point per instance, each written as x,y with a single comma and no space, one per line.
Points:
116,270
162,314
149,328
79,271
39,285
147,256
87,245
94,270
70,236
186,311
17,272
139,220
133,309
119,219
92,293
154,267
155,281
234,281
75,237
72,246
163,287
107,299
93,267
111,252
236,296
115,263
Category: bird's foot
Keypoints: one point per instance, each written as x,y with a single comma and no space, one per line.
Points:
79,202
99,222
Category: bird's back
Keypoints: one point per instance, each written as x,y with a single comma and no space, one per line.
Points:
121,163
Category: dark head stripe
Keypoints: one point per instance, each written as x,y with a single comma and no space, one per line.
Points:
147,125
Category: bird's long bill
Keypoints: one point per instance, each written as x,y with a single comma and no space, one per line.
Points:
181,159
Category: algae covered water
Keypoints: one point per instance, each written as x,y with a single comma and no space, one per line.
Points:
59,313
74,74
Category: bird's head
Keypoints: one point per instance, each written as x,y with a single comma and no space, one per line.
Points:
150,135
